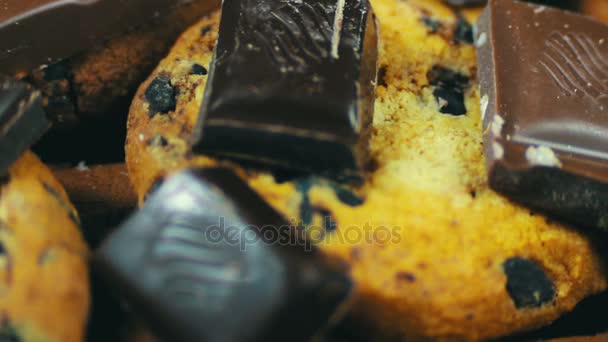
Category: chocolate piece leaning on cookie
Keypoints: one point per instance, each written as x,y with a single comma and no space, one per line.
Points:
545,108
292,85
207,259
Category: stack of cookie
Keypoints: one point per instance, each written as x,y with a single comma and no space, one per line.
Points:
327,169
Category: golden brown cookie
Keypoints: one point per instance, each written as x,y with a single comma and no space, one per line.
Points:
44,280
434,252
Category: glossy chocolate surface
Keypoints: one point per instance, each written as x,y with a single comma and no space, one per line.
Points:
207,259
39,32
292,84
544,87
22,120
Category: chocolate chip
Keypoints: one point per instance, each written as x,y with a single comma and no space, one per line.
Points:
405,277
205,29
432,24
198,69
382,76
449,89
463,32
329,222
158,141
303,186
527,283
346,196
161,95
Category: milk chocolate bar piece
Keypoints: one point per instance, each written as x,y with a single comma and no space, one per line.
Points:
22,120
207,259
544,98
37,32
292,85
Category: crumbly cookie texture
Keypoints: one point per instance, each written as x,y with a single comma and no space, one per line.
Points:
434,252
44,279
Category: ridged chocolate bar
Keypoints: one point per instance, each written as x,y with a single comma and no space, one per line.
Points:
292,85
544,97
207,259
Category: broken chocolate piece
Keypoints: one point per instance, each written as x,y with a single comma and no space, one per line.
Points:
527,283
161,96
450,87
22,120
37,32
207,259
544,99
291,85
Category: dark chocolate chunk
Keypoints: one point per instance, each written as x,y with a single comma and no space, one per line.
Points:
197,263
450,87
463,32
161,95
206,29
307,211
382,77
292,85
37,32
329,222
346,196
198,69
431,23
544,100
527,283
22,120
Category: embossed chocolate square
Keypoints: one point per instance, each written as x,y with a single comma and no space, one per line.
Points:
291,85
207,259
544,100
